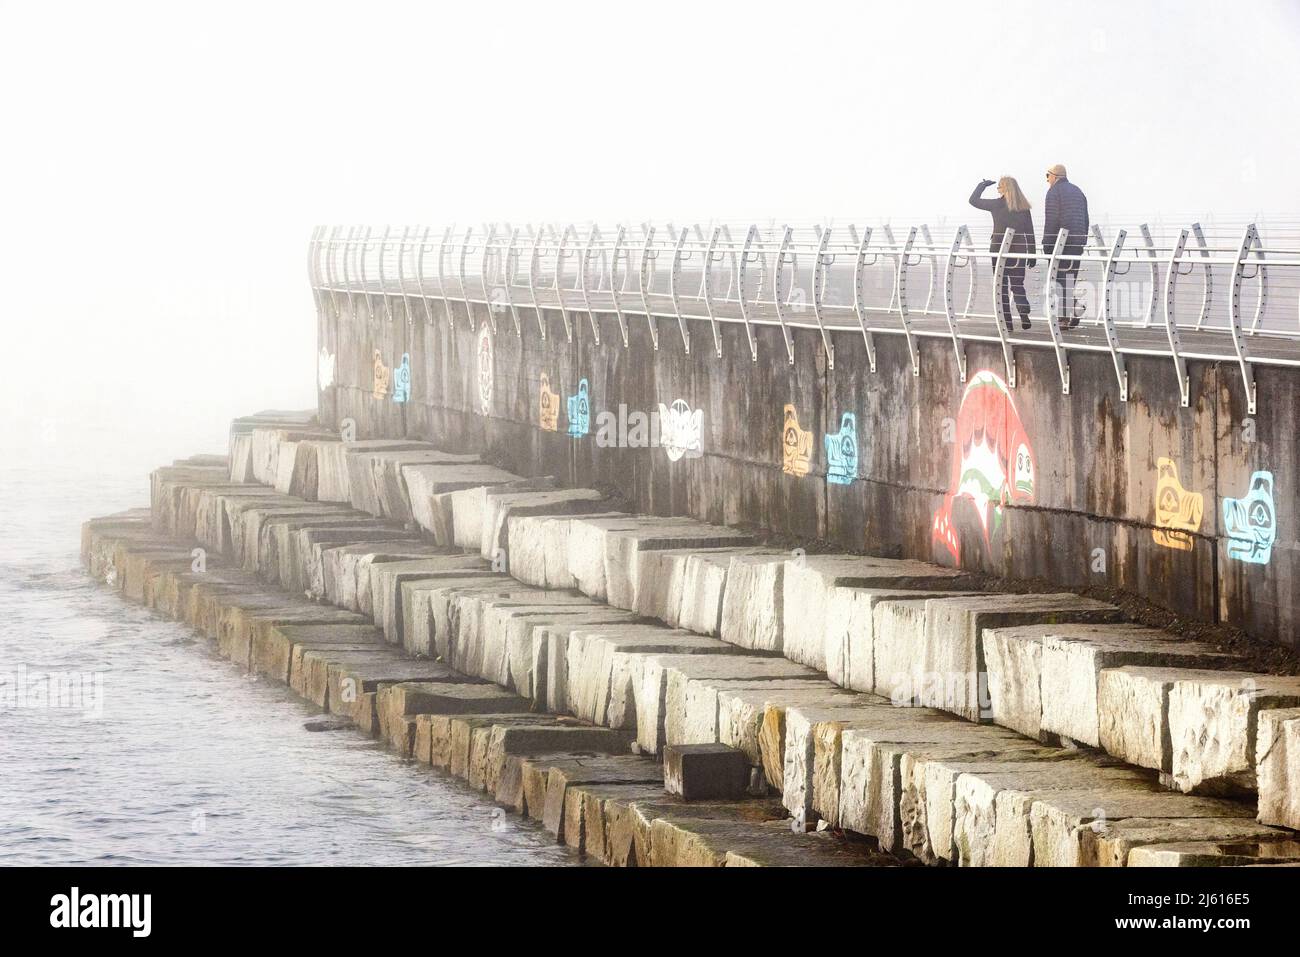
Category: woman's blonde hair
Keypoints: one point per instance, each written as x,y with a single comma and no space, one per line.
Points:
1010,191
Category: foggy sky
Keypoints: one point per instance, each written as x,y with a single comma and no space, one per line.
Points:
163,166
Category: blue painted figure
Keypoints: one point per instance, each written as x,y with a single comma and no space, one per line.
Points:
579,411
842,452
402,379
1250,522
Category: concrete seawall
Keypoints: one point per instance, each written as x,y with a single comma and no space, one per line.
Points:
1192,508
527,637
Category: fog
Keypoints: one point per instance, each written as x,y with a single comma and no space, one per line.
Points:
163,164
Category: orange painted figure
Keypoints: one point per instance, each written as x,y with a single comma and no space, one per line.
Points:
1178,511
383,377
796,445
992,462
549,417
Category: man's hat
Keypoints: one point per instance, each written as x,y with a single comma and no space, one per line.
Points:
1057,170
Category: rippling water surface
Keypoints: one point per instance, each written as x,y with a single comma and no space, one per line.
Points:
190,762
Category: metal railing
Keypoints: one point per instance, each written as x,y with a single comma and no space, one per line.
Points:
1217,293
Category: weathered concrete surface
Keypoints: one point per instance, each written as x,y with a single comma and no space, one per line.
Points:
386,579
1110,842
933,655
752,609
808,580
333,481
1043,678
697,772
1212,725
428,485
1277,766
1245,853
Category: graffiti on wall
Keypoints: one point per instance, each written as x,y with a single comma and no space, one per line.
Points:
1250,522
579,411
681,430
1178,511
992,462
842,452
549,415
796,445
383,377
325,369
402,379
483,367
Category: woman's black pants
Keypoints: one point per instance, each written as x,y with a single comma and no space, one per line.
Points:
1013,285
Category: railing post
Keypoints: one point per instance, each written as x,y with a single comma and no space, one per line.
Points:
584,274
933,261
1053,318
901,290
560,253
331,244
821,263
674,278
483,276
999,310
401,275
1150,311
1238,342
534,264
383,279
1207,275
615,283
349,245
708,288
646,272
859,292
512,264
1171,324
419,275
361,268
949,268
779,292
1108,320
748,256
462,276
443,243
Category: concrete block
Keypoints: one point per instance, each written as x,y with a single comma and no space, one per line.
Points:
741,709
807,580
950,671
586,546
623,546
696,772
1112,841
1133,714
751,605
1217,854
333,479
1277,766
425,482
386,579
501,505
1212,726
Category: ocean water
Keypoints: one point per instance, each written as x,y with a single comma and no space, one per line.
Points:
164,753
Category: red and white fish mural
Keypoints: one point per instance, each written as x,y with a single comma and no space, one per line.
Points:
992,462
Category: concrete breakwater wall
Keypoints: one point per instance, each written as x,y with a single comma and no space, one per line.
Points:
1193,508
714,653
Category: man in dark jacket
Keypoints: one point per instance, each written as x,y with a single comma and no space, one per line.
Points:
1066,208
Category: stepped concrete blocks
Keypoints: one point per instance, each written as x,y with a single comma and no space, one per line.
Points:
1110,842
241,458
1013,658
752,603
502,505
1277,766
702,722
538,548
948,669
741,711
498,617
586,545
696,772
1066,826
623,547
333,477
353,580
425,482
850,635
323,553
273,648
661,699
386,579
348,679
808,579
1074,655
1217,854
1212,726
703,585
1133,715
469,508
400,702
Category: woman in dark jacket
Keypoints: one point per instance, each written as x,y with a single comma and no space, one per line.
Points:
1010,211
